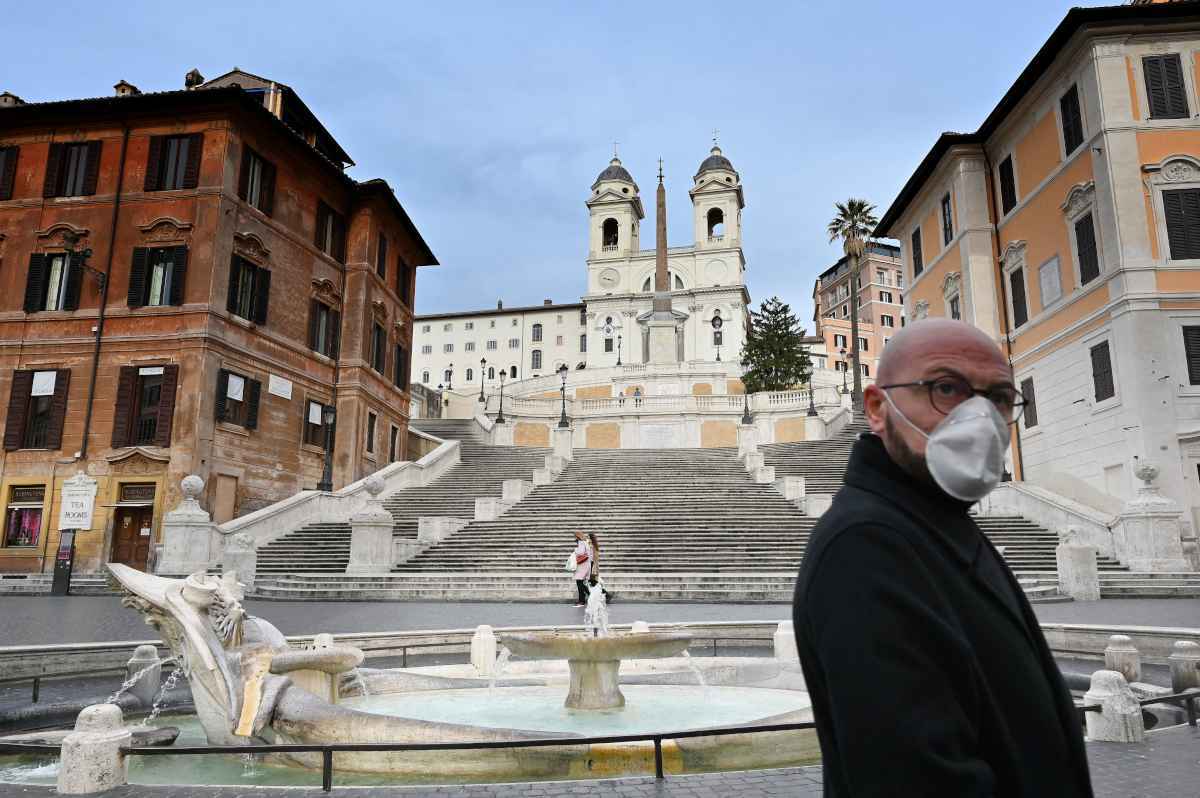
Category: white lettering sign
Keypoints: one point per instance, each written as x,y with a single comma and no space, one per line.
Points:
77,501
314,413
279,387
150,371
43,383
236,386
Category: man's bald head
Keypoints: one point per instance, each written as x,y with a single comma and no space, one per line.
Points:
913,347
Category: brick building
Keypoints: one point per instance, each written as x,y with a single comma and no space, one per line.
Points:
880,307
187,279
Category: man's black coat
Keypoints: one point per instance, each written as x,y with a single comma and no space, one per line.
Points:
928,673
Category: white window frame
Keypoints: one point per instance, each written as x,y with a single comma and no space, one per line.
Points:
1088,341
1176,352
1064,86
1011,259
1080,201
1182,48
1016,181
1173,172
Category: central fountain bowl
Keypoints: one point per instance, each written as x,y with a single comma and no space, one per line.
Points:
595,660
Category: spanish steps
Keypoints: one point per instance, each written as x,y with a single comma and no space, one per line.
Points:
672,523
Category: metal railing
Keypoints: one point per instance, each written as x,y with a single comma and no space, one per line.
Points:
37,678
1187,699
329,749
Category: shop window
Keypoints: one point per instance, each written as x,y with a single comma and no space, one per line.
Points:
23,518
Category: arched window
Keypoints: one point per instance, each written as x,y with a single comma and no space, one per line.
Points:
672,279
491,373
537,359
513,372
716,223
537,332
470,374
446,376
425,377
609,232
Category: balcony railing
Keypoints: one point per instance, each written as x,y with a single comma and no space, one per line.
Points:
716,239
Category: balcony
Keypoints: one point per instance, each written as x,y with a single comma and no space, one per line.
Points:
716,239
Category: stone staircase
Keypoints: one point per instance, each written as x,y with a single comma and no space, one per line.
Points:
821,463
325,547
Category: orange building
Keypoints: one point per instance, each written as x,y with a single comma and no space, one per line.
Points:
880,308
1068,227
189,279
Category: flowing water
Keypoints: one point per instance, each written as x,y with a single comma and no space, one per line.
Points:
128,684
498,669
356,677
167,686
694,668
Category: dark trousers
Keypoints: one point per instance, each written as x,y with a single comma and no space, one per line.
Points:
582,587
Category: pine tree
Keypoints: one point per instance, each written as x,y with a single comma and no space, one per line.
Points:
774,354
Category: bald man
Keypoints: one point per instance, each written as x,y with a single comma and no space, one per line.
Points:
928,673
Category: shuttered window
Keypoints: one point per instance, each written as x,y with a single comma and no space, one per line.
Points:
156,276
1030,412
256,182
378,350
1008,185
314,423
8,170
324,328
371,419
404,280
1191,353
1102,376
381,257
1017,282
72,170
249,290
37,409
1085,248
145,406
54,282
400,367
330,235
237,399
947,220
394,445
1166,92
1072,120
918,259
1182,210
173,162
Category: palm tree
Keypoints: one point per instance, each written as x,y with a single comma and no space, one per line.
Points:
853,224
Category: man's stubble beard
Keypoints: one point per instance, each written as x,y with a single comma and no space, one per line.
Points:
902,454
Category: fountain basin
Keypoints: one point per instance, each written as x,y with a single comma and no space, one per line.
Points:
595,661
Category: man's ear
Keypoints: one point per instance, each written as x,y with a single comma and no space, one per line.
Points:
875,407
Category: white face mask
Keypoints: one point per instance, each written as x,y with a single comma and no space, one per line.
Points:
965,452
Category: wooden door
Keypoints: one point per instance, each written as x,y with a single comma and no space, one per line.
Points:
132,535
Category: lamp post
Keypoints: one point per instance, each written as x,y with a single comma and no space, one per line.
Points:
500,415
716,325
328,416
812,403
618,349
746,417
482,378
842,352
562,420
450,378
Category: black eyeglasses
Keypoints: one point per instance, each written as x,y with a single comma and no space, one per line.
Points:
947,393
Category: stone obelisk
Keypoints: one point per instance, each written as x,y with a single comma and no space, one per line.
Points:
662,321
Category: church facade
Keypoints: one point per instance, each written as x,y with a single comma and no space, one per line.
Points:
610,326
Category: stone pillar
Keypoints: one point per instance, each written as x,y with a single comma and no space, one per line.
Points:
483,650
555,464
663,346
815,504
1148,533
1122,656
814,428
564,442
1185,666
1120,720
754,461
436,528
188,533
490,508
785,643
91,755
1078,576
513,490
542,476
371,547
792,488
502,434
747,436
764,475
238,556
146,663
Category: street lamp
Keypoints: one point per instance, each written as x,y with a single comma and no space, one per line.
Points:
716,325
500,415
562,420
618,349
450,378
328,415
482,377
812,404
842,352
746,418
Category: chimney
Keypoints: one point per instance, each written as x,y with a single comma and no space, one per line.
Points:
547,301
499,304
192,79
10,100
126,89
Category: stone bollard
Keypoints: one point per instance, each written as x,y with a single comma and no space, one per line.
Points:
641,627
754,461
489,508
91,759
514,490
189,537
483,650
1078,576
1122,656
542,476
815,504
564,446
785,643
792,488
144,661
747,437
555,464
1185,666
238,556
1120,720
371,547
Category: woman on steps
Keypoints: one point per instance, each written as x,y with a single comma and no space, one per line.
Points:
594,578
582,558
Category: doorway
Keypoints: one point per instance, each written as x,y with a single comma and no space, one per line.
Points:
132,535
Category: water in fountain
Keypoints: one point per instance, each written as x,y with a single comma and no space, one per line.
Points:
595,616
128,684
694,668
167,686
249,765
498,668
356,677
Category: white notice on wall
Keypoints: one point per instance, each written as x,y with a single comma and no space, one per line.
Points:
279,387
150,371
236,386
43,383
314,413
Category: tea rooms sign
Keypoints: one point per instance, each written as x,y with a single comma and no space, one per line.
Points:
78,501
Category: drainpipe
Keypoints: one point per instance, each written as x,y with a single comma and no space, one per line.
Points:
112,246
991,192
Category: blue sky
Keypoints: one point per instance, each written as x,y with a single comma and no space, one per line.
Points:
491,120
